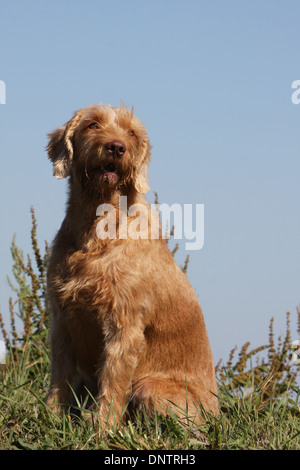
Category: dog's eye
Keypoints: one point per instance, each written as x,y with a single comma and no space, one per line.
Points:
94,125
131,132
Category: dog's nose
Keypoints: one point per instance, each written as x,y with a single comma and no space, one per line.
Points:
116,148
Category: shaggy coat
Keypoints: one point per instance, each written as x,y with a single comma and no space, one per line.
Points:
125,322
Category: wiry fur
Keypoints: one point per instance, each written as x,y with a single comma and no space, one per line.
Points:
124,318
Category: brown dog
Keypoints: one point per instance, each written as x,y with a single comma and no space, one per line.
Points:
124,317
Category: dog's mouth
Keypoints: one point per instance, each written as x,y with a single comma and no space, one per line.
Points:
108,173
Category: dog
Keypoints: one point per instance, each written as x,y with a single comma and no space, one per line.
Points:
125,322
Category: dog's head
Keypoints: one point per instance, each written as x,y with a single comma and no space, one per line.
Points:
104,148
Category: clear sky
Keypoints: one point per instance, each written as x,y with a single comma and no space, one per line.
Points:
211,80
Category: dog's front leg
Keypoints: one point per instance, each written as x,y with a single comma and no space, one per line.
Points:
123,349
63,367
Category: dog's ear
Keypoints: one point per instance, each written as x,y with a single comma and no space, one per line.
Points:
140,177
60,147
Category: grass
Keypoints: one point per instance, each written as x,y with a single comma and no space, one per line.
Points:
259,404
246,420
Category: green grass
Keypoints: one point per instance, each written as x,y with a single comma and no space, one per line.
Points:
259,404
247,420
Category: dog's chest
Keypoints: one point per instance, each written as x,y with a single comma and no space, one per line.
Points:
88,285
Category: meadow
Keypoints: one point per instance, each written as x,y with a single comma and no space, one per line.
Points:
258,388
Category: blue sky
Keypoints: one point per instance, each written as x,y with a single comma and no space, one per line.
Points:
211,80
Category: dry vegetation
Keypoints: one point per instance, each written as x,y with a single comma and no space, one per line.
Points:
258,389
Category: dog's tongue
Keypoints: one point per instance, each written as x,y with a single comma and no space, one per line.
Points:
110,176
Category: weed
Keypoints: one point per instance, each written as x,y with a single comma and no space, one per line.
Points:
259,404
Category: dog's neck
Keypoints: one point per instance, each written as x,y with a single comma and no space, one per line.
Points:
82,218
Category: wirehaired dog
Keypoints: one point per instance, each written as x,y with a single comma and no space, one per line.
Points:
125,321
